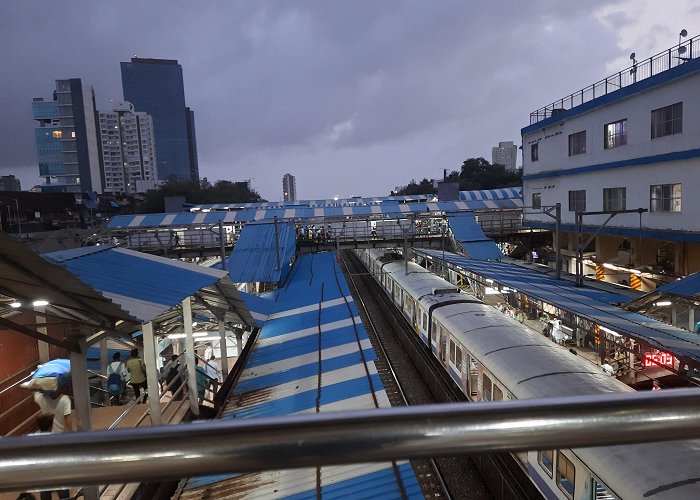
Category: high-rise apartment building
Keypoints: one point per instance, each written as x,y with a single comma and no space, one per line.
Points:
289,187
506,154
67,139
155,86
128,150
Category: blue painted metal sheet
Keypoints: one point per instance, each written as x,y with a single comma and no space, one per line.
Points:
263,253
594,305
258,214
143,285
469,233
312,355
686,287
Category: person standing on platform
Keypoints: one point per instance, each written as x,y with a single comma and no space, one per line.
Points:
174,375
656,386
136,367
607,367
117,367
214,373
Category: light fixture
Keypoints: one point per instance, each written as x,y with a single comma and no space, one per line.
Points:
663,303
15,304
200,334
177,336
40,303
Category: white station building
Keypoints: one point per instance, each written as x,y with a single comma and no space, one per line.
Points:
629,142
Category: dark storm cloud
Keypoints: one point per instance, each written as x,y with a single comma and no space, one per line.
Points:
334,92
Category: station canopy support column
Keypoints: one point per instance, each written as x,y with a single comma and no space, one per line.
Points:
190,356
149,358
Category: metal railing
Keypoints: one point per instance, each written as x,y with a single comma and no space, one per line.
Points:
663,61
224,446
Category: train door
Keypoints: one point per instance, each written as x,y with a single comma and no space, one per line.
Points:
473,379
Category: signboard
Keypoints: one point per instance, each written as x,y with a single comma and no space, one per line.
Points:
658,359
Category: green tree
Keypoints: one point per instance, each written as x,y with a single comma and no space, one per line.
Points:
198,193
477,173
423,187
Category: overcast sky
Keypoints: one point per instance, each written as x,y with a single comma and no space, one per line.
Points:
352,97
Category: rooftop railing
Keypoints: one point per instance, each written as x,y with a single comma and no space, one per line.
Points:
640,70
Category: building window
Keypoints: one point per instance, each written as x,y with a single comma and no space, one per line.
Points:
57,134
665,198
546,460
536,200
487,388
614,199
667,121
615,134
534,151
577,143
566,475
577,201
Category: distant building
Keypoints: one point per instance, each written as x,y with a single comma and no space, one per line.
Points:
155,86
128,150
10,183
67,139
506,154
289,187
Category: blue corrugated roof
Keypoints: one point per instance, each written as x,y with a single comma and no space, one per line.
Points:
686,287
263,253
258,214
312,355
143,285
594,305
469,233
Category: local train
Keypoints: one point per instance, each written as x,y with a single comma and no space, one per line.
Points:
493,357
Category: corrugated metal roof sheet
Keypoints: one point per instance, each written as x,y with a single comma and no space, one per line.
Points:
686,287
469,233
144,285
284,375
515,194
594,305
263,253
247,215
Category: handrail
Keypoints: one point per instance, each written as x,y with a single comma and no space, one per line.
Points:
15,384
232,445
654,65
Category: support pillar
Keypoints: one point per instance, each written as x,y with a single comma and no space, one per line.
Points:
239,342
674,313
189,356
149,359
104,363
691,318
43,347
223,348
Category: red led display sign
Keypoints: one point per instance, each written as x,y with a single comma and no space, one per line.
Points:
662,358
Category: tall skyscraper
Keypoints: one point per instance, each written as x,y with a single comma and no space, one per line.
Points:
289,187
506,154
67,139
128,150
155,86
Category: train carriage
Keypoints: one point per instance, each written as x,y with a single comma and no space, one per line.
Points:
493,357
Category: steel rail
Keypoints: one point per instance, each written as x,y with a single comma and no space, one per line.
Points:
226,446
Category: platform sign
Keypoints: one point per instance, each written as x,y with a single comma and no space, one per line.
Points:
658,359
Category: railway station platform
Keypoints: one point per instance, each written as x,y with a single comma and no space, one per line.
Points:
312,355
639,348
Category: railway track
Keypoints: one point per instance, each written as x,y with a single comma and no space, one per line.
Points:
425,382
444,478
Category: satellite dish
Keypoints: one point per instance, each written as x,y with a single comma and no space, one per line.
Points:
632,56
684,32
682,50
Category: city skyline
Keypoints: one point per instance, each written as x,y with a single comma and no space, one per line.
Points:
353,98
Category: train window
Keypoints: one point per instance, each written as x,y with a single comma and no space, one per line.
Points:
487,388
452,351
497,393
566,475
458,357
433,331
600,491
546,460
425,322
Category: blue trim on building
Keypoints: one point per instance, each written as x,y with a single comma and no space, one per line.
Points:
633,162
654,234
664,77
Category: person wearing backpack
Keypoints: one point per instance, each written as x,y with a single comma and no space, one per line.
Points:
116,378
